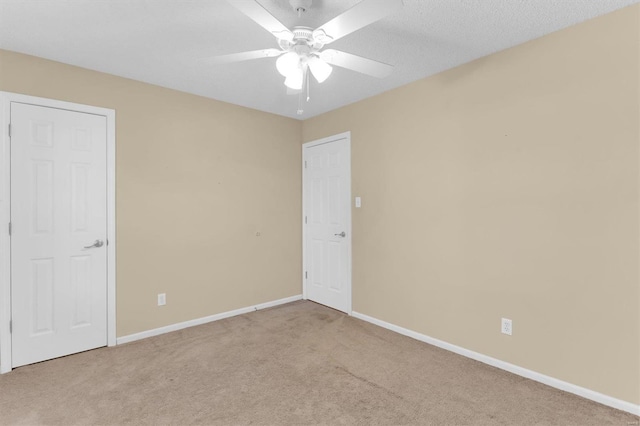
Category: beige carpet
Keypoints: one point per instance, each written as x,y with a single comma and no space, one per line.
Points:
300,363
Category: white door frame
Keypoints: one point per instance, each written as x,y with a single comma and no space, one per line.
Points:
5,208
349,240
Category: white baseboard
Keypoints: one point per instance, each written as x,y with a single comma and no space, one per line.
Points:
538,377
199,321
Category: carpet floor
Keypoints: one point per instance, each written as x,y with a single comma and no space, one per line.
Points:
300,363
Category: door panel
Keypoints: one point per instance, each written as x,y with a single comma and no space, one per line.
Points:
327,210
58,209
42,196
81,291
42,296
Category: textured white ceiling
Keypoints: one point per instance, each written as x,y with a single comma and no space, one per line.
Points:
166,42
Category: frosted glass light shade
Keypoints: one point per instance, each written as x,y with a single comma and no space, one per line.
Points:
288,63
320,69
295,79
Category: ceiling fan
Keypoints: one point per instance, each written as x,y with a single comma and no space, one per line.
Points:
301,49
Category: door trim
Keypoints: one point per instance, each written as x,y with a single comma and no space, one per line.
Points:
305,147
5,208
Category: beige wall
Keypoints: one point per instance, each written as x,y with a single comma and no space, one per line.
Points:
508,187
196,179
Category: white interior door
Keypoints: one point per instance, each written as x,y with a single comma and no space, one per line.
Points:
59,229
327,233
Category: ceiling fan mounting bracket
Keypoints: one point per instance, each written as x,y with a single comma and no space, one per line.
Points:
300,6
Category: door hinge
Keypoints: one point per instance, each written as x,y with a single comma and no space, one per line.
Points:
305,275
10,326
9,129
305,219
305,164
9,228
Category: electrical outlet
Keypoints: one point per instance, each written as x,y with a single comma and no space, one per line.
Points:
507,326
162,299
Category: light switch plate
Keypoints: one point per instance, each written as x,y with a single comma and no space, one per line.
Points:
358,202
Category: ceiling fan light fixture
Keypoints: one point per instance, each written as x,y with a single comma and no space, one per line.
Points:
320,69
295,80
288,63
302,48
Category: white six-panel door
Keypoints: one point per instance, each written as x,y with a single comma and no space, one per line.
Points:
327,234
59,230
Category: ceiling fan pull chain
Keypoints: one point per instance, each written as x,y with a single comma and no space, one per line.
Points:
307,77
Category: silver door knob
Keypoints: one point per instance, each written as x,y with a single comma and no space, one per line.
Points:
342,234
98,243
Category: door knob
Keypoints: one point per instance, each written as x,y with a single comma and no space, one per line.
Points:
98,243
342,234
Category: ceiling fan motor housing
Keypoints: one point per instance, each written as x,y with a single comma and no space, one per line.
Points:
302,33
303,41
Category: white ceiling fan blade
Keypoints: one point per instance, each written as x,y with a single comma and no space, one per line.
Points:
362,14
262,17
245,56
356,63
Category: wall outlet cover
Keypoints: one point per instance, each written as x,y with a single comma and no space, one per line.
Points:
506,326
